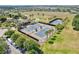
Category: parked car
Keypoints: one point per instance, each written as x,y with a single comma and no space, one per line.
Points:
22,50
15,46
10,41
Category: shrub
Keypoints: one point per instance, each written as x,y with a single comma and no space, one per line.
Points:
32,51
35,51
3,19
3,46
9,33
32,47
75,23
15,36
59,27
19,42
50,41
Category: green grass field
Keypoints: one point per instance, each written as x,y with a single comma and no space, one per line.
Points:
68,43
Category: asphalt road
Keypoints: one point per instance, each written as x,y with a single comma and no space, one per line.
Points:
13,49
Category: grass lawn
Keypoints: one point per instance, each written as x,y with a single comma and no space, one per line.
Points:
68,43
27,37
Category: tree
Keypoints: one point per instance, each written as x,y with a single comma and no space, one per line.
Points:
75,23
3,46
10,15
3,19
15,36
9,33
16,17
20,41
30,44
50,41
25,17
60,26
32,51
32,47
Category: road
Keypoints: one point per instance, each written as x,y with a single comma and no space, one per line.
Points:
13,49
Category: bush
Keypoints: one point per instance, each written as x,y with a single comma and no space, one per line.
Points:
35,51
59,27
20,41
28,44
32,47
50,41
53,38
3,46
9,33
8,24
32,51
75,23
3,19
15,36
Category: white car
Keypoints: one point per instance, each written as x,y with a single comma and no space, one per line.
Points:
10,41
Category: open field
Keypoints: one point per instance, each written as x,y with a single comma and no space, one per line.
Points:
69,42
46,16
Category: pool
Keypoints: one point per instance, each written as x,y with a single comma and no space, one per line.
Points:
56,22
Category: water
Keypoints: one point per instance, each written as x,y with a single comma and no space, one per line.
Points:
56,22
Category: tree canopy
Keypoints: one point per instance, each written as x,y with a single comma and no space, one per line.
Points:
15,36
9,33
75,23
3,46
3,19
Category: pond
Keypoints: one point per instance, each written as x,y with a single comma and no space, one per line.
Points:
56,22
